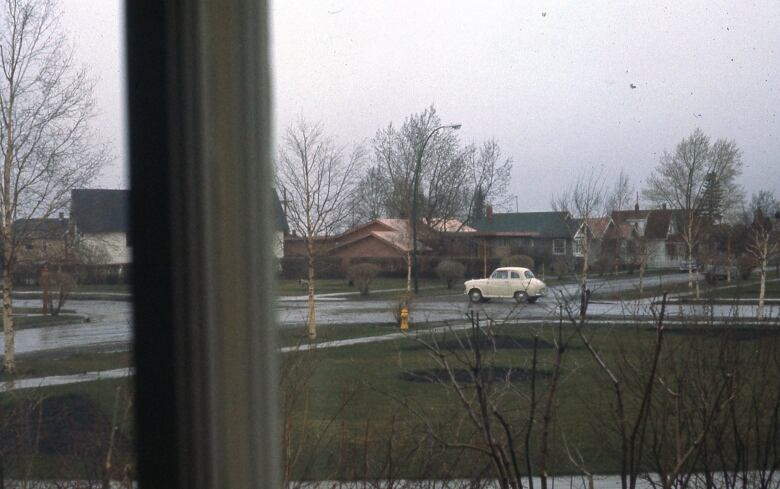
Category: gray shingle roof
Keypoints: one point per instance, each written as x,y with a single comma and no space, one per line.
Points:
100,210
37,228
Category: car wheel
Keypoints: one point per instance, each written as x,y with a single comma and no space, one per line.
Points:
521,297
475,295
533,299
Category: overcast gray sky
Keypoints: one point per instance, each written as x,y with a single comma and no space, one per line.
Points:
551,81
95,29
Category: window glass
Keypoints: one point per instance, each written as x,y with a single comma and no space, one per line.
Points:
499,274
559,246
66,388
353,80
515,275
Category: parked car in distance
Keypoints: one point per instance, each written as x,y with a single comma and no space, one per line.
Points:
684,265
713,273
506,282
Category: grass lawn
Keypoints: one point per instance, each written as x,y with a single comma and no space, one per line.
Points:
114,288
746,291
286,287
46,364
349,408
26,322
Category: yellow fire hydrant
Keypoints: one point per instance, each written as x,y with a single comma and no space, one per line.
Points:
404,319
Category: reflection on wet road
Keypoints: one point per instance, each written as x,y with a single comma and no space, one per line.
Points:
110,325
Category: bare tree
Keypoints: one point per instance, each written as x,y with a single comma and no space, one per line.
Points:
683,177
585,201
47,145
762,246
619,196
454,181
318,179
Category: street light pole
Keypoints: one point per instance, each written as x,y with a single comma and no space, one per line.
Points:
414,197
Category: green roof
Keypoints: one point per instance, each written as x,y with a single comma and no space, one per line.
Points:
541,224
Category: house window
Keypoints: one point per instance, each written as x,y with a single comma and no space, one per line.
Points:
559,247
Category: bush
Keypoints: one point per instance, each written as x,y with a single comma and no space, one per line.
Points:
524,261
362,275
604,264
560,268
745,266
450,271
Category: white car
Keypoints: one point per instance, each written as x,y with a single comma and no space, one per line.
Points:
515,282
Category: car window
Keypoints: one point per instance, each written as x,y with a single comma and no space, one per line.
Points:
499,274
514,275
529,274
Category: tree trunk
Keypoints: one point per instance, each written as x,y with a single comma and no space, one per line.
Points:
311,321
728,259
641,276
408,275
762,287
690,269
9,362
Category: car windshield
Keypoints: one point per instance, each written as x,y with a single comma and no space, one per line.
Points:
529,274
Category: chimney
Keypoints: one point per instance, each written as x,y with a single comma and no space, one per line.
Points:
663,206
62,216
636,207
489,212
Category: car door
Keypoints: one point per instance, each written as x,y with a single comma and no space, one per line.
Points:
498,283
516,282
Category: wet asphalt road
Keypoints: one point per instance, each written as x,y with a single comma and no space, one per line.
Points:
110,326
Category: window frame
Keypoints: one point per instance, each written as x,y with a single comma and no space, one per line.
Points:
558,241
201,219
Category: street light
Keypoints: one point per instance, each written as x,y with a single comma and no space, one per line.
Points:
414,196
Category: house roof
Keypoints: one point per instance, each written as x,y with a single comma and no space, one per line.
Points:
532,224
281,219
450,226
598,225
396,240
100,210
37,228
656,222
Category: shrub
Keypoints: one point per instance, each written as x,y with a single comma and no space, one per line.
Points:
450,271
362,275
745,266
524,261
560,268
604,264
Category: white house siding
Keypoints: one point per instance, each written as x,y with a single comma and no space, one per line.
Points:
278,244
114,245
658,257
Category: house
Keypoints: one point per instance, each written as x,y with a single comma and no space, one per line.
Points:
281,228
99,220
594,229
381,238
654,233
42,240
545,236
